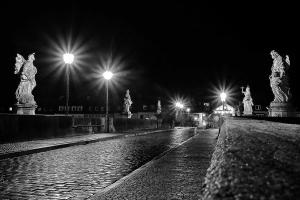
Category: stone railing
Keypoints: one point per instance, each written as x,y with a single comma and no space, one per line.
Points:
255,159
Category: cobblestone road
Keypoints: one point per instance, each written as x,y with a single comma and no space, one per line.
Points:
177,175
78,172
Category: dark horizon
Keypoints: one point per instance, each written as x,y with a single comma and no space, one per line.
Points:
165,49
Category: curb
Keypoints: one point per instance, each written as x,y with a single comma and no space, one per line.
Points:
81,142
138,170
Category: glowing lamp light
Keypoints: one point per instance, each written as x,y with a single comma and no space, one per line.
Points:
68,58
179,105
223,96
107,75
188,110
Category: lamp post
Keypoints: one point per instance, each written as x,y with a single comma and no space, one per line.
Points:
107,75
223,99
68,59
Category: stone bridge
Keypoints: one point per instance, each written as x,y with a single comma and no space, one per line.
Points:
255,159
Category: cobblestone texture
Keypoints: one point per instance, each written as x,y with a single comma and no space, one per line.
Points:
35,144
78,172
177,175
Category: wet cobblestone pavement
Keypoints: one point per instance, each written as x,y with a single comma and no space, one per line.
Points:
77,172
17,147
179,174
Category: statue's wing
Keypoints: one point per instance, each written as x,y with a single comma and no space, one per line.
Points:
287,60
20,58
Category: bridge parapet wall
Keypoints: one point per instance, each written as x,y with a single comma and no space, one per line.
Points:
255,159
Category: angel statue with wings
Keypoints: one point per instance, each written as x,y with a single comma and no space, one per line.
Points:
279,78
27,72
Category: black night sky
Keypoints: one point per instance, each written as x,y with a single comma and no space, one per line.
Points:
165,49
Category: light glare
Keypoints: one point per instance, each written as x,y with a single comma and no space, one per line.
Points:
68,58
107,75
223,96
179,105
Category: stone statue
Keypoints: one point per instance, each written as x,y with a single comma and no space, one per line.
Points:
27,72
127,104
279,78
247,101
158,111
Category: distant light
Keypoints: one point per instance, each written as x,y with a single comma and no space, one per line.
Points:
179,105
204,123
188,110
107,75
195,118
223,96
10,109
68,58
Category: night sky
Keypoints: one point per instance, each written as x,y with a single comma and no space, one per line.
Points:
165,50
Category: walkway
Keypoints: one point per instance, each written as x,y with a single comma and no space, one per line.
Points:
8,150
80,171
178,174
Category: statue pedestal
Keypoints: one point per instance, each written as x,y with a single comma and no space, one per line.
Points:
281,110
247,113
126,115
26,109
111,127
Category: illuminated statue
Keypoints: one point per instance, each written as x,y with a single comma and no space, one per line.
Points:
127,104
158,111
27,82
247,101
279,78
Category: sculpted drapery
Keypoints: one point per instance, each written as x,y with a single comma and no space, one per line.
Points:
279,78
247,101
27,72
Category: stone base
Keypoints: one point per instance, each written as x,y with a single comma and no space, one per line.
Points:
111,127
281,110
126,115
26,109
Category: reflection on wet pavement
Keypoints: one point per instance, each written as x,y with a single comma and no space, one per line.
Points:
79,171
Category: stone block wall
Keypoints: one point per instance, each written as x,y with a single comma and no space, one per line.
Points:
25,127
125,124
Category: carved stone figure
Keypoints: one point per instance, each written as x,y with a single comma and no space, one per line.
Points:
279,78
127,104
279,82
25,100
158,111
247,101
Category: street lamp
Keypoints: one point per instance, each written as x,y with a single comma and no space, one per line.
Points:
178,105
223,96
107,75
188,110
68,59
